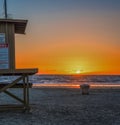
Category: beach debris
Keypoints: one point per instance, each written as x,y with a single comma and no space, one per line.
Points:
85,88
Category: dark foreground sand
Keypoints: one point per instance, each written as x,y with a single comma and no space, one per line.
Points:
66,107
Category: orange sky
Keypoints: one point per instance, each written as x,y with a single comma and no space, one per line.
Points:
68,41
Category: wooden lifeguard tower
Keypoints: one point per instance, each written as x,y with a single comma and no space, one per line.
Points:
8,29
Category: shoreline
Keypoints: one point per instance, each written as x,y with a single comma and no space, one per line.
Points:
77,85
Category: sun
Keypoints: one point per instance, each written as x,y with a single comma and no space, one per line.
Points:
78,72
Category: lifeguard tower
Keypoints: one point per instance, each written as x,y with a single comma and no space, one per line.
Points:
8,29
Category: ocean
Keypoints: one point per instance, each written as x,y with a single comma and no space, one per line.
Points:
74,80
68,80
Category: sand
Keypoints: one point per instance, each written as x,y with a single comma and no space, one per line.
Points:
66,106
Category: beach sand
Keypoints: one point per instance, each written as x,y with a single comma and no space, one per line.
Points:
66,106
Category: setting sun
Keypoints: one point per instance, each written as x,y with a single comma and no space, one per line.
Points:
78,72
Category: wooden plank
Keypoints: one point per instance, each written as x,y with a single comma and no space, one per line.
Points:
18,85
13,107
11,84
18,72
11,45
14,96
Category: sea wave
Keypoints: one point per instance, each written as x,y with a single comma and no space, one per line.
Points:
48,79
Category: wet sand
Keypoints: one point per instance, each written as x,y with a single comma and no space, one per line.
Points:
66,106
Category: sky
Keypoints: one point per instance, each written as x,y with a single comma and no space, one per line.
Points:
68,36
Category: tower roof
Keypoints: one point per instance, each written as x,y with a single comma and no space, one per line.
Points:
20,25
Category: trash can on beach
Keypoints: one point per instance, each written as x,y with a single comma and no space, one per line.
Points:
85,88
